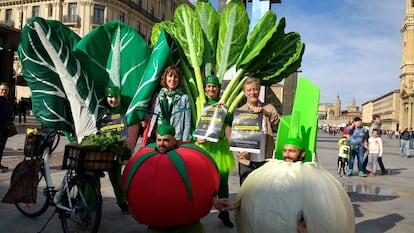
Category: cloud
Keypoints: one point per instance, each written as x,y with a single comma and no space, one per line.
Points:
352,47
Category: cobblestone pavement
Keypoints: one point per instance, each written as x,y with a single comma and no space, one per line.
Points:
381,203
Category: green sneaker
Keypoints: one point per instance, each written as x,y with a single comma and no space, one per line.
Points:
350,172
362,174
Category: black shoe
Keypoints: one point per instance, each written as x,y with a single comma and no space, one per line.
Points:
225,217
3,169
386,172
124,207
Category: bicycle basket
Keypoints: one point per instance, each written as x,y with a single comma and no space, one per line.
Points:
87,158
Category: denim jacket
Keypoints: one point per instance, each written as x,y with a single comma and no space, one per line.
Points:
181,118
357,137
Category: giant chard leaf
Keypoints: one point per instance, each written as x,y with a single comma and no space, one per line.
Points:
233,30
159,58
55,76
119,52
188,33
209,21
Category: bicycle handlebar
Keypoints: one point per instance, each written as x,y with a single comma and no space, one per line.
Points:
46,141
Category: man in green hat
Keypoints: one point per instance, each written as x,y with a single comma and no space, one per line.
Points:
113,98
165,138
113,121
293,150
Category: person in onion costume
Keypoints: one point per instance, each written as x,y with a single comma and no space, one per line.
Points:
295,196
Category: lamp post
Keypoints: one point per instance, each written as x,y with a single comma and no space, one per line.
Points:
21,14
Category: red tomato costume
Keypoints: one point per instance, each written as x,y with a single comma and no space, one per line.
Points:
176,188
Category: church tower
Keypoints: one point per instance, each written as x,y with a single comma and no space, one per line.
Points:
407,67
337,112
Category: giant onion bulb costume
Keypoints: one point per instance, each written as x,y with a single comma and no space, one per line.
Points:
276,196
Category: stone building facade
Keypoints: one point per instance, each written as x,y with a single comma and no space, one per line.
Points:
332,114
387,107
407,69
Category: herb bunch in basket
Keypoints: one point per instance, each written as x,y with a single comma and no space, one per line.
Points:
111,141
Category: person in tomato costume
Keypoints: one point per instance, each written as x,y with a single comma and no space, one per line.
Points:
171,186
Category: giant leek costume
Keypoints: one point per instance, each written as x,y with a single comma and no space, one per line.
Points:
278,195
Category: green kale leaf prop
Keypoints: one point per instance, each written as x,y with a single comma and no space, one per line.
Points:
68,75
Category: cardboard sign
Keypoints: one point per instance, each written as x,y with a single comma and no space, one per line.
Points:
211,122
114,122
246,131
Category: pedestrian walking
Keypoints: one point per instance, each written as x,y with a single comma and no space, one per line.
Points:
5,120
343,155
22,110
405,143
358,141
375,150
376,123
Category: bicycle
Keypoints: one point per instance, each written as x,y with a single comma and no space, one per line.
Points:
78,200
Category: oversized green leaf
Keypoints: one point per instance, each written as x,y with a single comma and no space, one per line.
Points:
54,75
268,48
159,59
285,61
233,30
69,37
261,34
209,21
188,33
119,51
168,28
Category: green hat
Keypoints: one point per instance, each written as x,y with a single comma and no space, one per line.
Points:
165,130
295,142
212,80
112,91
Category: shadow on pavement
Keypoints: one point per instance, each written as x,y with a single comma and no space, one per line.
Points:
382,224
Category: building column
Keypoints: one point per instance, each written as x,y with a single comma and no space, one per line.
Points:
409,114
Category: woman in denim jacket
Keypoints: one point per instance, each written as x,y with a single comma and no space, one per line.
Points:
171,93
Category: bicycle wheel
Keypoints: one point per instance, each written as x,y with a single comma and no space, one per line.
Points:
86,202
43,200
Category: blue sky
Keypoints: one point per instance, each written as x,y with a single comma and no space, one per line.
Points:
353,47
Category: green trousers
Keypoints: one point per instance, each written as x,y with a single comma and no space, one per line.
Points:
223,191
115,177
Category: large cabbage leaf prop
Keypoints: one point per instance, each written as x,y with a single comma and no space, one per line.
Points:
120,51
303,123
62,94
268,53
78,71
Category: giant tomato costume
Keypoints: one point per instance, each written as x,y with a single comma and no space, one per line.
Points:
171,189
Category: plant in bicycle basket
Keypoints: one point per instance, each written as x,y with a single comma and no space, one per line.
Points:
111,141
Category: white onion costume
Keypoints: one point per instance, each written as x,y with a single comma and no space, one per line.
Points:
276,196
